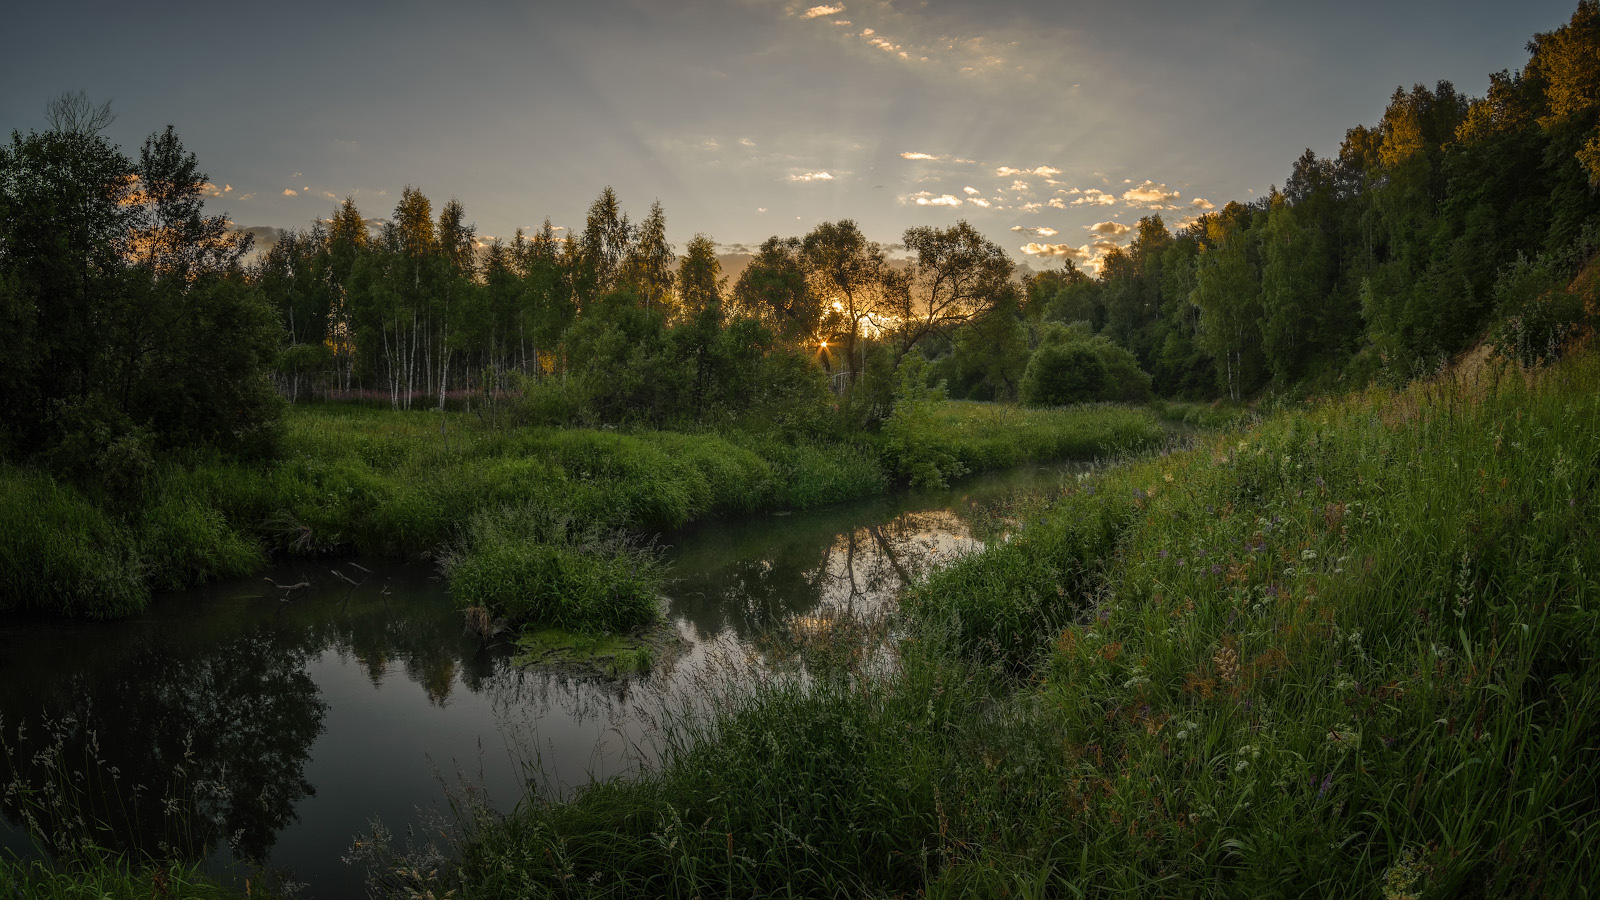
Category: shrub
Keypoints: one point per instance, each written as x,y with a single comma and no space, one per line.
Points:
1058,375
526,566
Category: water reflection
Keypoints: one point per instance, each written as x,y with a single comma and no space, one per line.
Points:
272,723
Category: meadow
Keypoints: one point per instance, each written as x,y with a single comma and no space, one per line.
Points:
515,516
1346,651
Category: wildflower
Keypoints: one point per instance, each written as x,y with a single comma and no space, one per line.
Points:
1163,553
1327,782
1227,661
1167,478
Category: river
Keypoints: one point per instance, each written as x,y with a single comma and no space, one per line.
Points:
273,719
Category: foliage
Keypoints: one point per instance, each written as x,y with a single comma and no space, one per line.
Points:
103,876
129,324
61,552
1347,651
906,432
525,566
1061,374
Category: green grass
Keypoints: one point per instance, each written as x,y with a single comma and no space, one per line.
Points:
99,876
1348,652
59,551
610,654
935,442
359,480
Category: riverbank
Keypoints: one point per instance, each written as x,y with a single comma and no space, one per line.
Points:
407,484
1348,651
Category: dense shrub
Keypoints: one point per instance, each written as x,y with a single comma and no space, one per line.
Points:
1058,375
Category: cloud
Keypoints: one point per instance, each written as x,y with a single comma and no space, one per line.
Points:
329,195
249,196
1095,197
1042,171
1056,251
1019,185
746,142
1202,203
1031,207
1037,232
290,192
972,190
1109,229
263,235
910,154
817,12
942,200
812,176
1184,223
1057,203
1149,193
979,201
761,209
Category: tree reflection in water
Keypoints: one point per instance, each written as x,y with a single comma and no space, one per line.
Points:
172,751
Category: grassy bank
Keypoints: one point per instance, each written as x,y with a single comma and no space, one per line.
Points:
1348,652
510,510
102,877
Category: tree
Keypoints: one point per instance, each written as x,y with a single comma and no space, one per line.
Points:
773,290
649,262
850,275
1228,293
956,275
700,280
130,324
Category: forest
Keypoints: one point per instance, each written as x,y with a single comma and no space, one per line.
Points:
1450,214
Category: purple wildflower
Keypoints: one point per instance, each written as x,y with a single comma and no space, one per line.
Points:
1163,553
1216,570
1327,781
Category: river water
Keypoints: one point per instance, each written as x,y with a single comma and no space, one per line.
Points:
274,719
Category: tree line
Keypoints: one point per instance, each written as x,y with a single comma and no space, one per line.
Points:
415,308
130,322
1452,220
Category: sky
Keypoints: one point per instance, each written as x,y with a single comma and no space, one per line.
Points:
1052,127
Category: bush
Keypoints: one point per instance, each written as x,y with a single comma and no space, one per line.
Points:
526,566
1058,375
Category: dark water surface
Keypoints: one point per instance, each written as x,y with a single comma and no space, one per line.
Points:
261,720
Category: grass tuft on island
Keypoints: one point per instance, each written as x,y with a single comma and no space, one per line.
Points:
1350,651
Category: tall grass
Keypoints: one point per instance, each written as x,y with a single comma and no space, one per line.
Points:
1347,652
59,551
362,480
